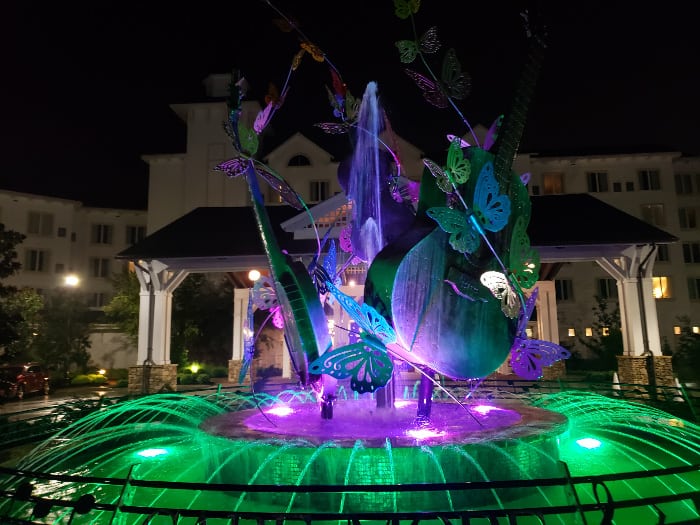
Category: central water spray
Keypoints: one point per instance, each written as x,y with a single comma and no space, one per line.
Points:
365,184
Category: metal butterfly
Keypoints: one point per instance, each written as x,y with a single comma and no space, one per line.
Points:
529,356
264,297
409,49
524,261
367,361
238,165
405,8
490,211
453,82
502,289
457,170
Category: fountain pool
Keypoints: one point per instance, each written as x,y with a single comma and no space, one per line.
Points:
569,457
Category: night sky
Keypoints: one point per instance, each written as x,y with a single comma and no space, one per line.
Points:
86,86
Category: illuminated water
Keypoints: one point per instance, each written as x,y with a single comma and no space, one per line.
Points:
224,438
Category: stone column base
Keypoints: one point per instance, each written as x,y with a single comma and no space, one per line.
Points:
555,371
234,370
656,370
152,379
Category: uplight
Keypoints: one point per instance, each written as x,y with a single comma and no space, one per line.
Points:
588,443
152,452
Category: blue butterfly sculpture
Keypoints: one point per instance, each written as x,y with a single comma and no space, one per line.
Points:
366,361
490,211
529,356
248,341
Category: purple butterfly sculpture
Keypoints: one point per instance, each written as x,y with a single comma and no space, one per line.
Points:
529,356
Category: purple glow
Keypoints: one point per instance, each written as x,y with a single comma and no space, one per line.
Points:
484,409
280,410
403,403
425,433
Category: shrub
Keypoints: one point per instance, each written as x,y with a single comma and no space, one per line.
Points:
88,379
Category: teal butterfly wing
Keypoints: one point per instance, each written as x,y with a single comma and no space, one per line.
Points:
367,362
491,208
464,238
524,261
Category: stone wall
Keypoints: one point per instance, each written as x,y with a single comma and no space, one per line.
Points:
654,370
157,379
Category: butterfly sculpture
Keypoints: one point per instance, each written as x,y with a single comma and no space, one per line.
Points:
501,288
453,84
366,362
238,165
405,8
265,298
409,49
524,261
457,170
248,341
529,356
490,211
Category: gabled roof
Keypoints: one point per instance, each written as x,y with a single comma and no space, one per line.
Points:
562,228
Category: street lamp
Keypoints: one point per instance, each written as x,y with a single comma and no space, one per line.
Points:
253,275
71,280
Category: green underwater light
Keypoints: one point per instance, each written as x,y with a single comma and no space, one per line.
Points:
588,443
153,452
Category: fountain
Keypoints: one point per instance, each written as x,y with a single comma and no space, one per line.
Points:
449,294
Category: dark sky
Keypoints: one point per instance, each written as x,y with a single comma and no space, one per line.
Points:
86,86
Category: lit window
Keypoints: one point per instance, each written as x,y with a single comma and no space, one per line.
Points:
605,331
572,332
661,287
552,183
528,332
589,332
677,330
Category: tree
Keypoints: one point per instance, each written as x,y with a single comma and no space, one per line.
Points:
24,306
604,347
202,314
123,309
63,337
202,317
10,319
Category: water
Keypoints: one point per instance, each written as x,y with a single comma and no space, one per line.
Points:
225,439
365,183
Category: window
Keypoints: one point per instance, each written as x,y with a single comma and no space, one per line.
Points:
36,261
661,287
617,187
62,232
684,183
101,234
629,186
605,331
553,183
654,214
318,190
677,330
688,217
135,234
97,300
40,224
597,181
607,288
694,288
299,160
589,331
572,332
662,253
99,267
691,252
649,180
564,289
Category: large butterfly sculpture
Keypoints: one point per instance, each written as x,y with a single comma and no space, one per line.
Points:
490,211
238,165
529,356
367,361
501,288
454,83
456,171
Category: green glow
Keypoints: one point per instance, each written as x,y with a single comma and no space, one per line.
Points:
152,452
588,443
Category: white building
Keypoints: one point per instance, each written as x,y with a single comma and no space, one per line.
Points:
63,237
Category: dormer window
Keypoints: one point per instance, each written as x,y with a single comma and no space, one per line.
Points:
299,160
